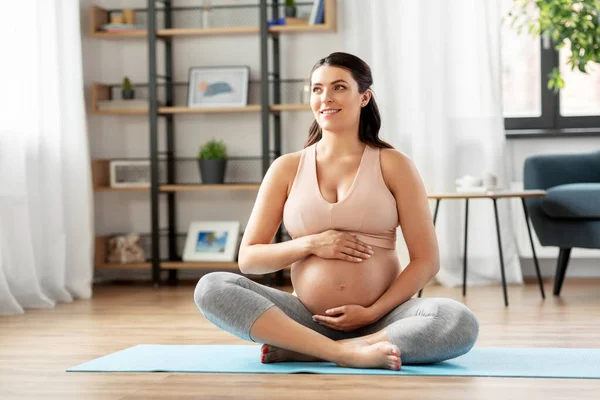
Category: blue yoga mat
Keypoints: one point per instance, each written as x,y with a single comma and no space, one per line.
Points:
245,359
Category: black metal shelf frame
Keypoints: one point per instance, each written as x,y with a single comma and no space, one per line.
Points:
268,154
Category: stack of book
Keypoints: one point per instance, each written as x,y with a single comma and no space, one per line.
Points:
317,14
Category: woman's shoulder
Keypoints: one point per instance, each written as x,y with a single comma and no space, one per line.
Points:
287,163
283,169
392,159
396,167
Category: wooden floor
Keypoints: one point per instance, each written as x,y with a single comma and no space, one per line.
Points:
36,348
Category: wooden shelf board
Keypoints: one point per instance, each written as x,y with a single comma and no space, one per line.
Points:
120,189
302,28
198,265
491,194
207,31
192,110
203,265
120,112
189,110
121,35
290,107
242,30
181,188
226,186
249,108
175,265
118,266
190,32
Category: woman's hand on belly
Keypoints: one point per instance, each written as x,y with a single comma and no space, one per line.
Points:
346,318
334,244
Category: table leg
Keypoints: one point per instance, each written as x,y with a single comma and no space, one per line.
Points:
500,252
435,214
535,260
465,250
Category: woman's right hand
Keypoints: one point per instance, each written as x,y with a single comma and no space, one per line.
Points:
340,245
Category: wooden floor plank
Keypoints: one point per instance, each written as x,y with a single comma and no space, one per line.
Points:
36,348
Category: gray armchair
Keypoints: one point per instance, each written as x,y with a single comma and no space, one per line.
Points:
569,215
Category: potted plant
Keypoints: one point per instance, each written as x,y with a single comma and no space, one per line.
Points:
212,162
290,8
573,23
127,92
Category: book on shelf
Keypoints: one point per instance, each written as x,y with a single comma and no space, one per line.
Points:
317,14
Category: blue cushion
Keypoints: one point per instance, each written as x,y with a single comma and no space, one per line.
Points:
574,200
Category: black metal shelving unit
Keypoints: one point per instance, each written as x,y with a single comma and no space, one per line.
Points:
268,154
166,22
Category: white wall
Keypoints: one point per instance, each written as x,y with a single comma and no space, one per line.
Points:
107,61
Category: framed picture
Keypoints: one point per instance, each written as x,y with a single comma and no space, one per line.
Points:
130,173
211,241
225,86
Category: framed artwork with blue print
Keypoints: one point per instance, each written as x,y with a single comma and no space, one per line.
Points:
218,86
212,241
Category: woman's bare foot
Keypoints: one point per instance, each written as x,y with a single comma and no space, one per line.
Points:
273,354
356,355
379,355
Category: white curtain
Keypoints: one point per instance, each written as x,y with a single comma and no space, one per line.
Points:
437,79
46,231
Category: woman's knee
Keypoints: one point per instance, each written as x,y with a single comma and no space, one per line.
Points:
212,288
463,321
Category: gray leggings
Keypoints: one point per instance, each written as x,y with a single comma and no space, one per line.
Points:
427,330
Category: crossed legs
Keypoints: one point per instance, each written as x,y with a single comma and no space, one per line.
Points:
423,330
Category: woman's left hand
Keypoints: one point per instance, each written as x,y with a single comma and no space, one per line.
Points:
347,318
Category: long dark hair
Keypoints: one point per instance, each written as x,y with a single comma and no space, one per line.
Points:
370,119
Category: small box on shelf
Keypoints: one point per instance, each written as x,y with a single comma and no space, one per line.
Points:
129,173
101,178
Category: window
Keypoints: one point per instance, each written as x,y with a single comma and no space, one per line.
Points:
527,101
581,94
521,67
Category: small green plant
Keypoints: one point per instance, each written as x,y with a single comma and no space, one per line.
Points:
571,23
126,85
213,150
290,3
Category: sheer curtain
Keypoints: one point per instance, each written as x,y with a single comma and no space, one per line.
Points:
46,226
437,72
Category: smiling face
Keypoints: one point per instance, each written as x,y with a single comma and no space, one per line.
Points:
335,99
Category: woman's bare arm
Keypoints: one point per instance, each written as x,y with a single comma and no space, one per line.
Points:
258,255
417,227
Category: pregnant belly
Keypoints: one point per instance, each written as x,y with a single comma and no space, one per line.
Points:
321,284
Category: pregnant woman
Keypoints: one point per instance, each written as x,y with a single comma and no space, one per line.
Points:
341,199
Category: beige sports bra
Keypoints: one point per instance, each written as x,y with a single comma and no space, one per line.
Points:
368,209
